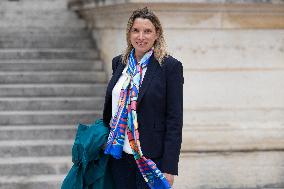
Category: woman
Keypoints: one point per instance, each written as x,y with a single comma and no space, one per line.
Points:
144,108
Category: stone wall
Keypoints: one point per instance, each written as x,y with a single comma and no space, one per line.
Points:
232,55
233,58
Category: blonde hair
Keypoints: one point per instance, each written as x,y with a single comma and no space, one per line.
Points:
159,45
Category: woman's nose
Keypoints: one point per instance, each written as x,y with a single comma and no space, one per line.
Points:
141,35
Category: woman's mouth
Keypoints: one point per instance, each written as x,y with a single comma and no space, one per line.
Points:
141,44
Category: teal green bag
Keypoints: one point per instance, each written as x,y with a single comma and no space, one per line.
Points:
90,169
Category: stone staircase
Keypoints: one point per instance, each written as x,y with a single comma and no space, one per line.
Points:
51,78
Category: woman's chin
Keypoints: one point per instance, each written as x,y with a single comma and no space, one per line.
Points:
141,50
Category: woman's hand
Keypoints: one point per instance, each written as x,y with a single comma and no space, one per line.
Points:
170,178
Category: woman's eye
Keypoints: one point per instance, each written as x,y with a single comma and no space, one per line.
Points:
148,31
134,30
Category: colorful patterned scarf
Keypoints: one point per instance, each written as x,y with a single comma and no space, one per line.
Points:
126,119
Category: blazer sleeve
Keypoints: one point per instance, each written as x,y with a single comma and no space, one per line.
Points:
174,117
115,62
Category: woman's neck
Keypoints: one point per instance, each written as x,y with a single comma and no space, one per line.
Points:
138,57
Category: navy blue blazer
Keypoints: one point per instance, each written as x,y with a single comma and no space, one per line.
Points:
159,109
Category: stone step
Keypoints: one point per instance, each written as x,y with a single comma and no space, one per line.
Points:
43,5
38,27
50,65
31,182
35,17
38,18
52,15
45,42
40,23
51,90
54,103
31,166
9,32
37,132
48,54
35,148
44,18
52,77
72,117
62,30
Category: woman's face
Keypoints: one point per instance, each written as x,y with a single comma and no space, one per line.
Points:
142,35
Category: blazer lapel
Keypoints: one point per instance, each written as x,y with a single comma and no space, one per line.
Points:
151,68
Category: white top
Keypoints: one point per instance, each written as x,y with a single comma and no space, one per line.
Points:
115,99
